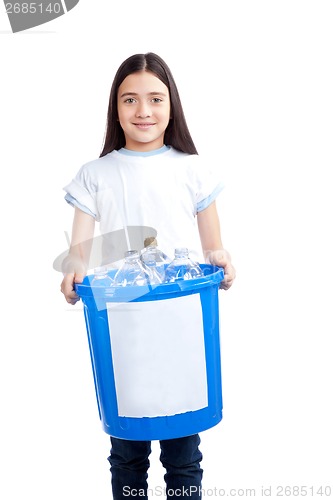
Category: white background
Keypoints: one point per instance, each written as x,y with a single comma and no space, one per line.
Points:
255,79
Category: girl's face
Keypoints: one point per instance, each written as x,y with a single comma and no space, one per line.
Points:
143,111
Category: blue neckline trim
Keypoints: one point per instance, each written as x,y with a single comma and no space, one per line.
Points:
130,152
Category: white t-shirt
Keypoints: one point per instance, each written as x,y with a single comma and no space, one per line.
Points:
163,189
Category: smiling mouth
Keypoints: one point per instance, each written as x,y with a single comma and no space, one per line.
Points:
143,126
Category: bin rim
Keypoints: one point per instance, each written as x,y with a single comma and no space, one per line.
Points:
213,275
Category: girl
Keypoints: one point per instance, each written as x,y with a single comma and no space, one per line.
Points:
148,173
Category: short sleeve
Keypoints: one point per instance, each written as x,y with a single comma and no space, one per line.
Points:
208,185
82,192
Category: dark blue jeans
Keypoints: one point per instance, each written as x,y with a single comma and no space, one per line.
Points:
180,457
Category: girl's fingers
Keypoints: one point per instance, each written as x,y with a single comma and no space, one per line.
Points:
67,288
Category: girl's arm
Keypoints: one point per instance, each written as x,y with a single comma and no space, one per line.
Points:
214,253
76,264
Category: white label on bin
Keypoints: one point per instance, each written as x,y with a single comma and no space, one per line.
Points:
158,356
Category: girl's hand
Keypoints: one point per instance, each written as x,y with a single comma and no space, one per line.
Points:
67,287
221,258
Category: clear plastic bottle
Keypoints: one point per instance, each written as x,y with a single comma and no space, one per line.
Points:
152,252
132,271
101,277
156,275
182,267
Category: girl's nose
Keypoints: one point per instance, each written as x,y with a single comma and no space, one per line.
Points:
143,110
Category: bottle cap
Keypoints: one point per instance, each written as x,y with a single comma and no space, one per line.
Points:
131,255
150,241
181,252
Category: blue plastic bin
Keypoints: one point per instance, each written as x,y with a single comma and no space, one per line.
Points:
117,318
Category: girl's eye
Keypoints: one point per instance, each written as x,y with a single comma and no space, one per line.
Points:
130,100
156,99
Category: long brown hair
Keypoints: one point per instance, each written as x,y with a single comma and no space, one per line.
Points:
177,134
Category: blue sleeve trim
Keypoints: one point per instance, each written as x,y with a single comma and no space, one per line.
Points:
73,201
212,197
